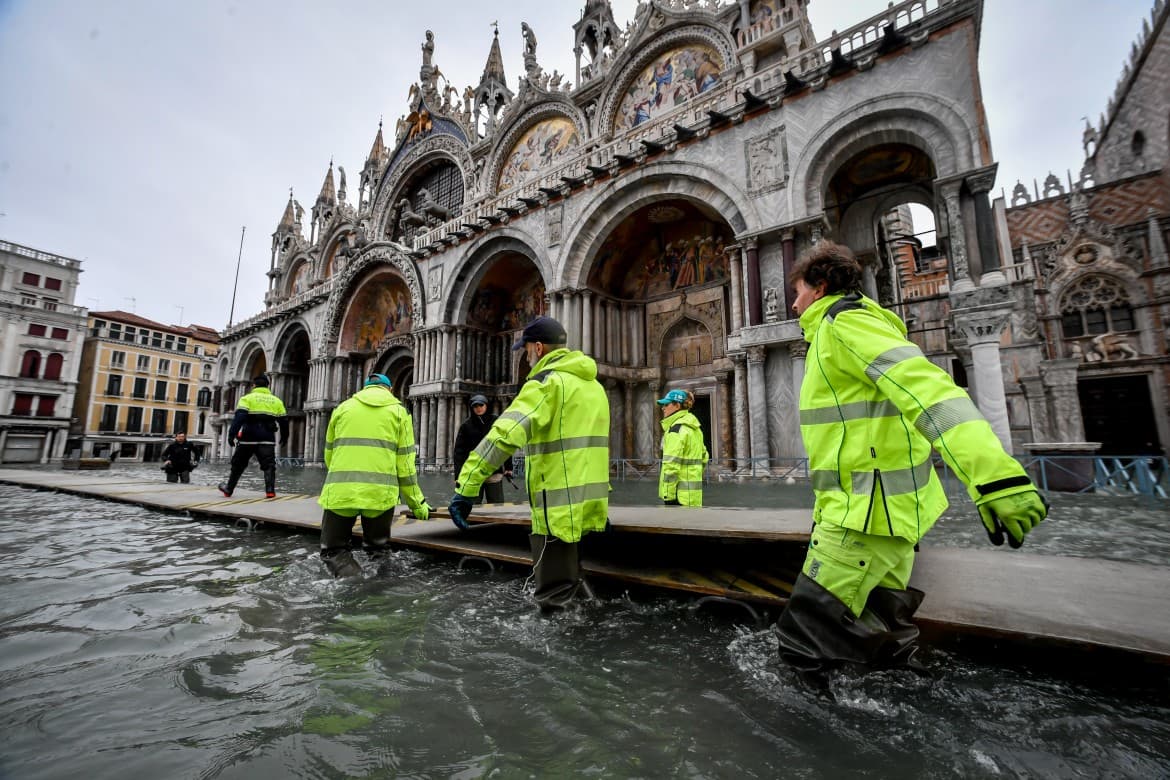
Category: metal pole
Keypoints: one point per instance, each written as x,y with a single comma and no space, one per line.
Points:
236,284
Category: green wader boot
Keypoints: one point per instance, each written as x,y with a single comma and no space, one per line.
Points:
818,632
336,533
376,534
557,569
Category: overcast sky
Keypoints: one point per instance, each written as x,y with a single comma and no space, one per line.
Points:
139,136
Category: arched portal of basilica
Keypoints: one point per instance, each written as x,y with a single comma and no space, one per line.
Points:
655,206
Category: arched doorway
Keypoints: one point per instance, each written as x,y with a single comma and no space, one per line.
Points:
290,381
659,295
510,293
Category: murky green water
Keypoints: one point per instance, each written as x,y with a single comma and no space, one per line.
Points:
135,644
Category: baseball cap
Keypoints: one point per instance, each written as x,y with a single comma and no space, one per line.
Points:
673,397
377,379
478,399
546,330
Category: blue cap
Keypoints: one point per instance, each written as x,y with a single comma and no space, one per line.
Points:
478,399
546,330
381,380
673,397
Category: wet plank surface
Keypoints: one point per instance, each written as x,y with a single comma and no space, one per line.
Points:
997,591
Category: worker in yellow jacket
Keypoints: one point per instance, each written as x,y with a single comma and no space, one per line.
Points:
370,454
684,455
561,419
872,409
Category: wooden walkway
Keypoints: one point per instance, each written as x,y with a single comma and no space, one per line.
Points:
749,555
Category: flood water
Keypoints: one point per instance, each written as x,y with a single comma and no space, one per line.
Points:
136,644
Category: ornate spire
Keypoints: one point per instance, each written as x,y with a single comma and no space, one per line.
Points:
494,69
378,150
328,192
492,94
288,221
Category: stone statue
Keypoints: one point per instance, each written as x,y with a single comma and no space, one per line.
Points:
529,40
341,188
428,49
300,211
1110,346
431,207
771,305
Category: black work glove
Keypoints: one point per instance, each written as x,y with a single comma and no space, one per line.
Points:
460,509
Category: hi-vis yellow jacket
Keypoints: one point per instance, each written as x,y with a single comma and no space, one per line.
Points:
561,419
684,456
871,408
370,454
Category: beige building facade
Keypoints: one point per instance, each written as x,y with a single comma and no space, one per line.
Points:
140,383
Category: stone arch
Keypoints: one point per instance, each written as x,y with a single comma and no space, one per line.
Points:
284,338
336,244
395,360
438,148
673,179
251,360
550,109
694,319
637,59
350,280
479,256
927,122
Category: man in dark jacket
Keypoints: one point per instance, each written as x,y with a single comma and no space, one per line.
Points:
179,458
471,433
253,432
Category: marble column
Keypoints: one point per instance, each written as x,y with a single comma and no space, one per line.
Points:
788,255
628,418
423,440
587,322
742,430
1037,408
723,456
979,184
956,236
447,354
623,336
983,328
736,268
443,438
1060,380
758,406
751,260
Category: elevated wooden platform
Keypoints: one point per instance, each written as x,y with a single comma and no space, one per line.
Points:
751,556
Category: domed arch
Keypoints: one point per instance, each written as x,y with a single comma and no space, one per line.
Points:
480,256
443,157
660,181
291,331
346,287
925,122
251,362
337,243
539,137
638,62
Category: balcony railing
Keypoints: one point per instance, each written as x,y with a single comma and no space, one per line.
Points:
21,299
36,254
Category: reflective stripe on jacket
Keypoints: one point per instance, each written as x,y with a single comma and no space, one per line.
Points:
370,454
561,419
257,417
871,408
684,456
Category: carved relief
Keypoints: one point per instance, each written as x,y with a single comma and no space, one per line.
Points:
767,161
435,283
554,216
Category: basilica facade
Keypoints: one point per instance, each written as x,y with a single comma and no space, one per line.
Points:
654,202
